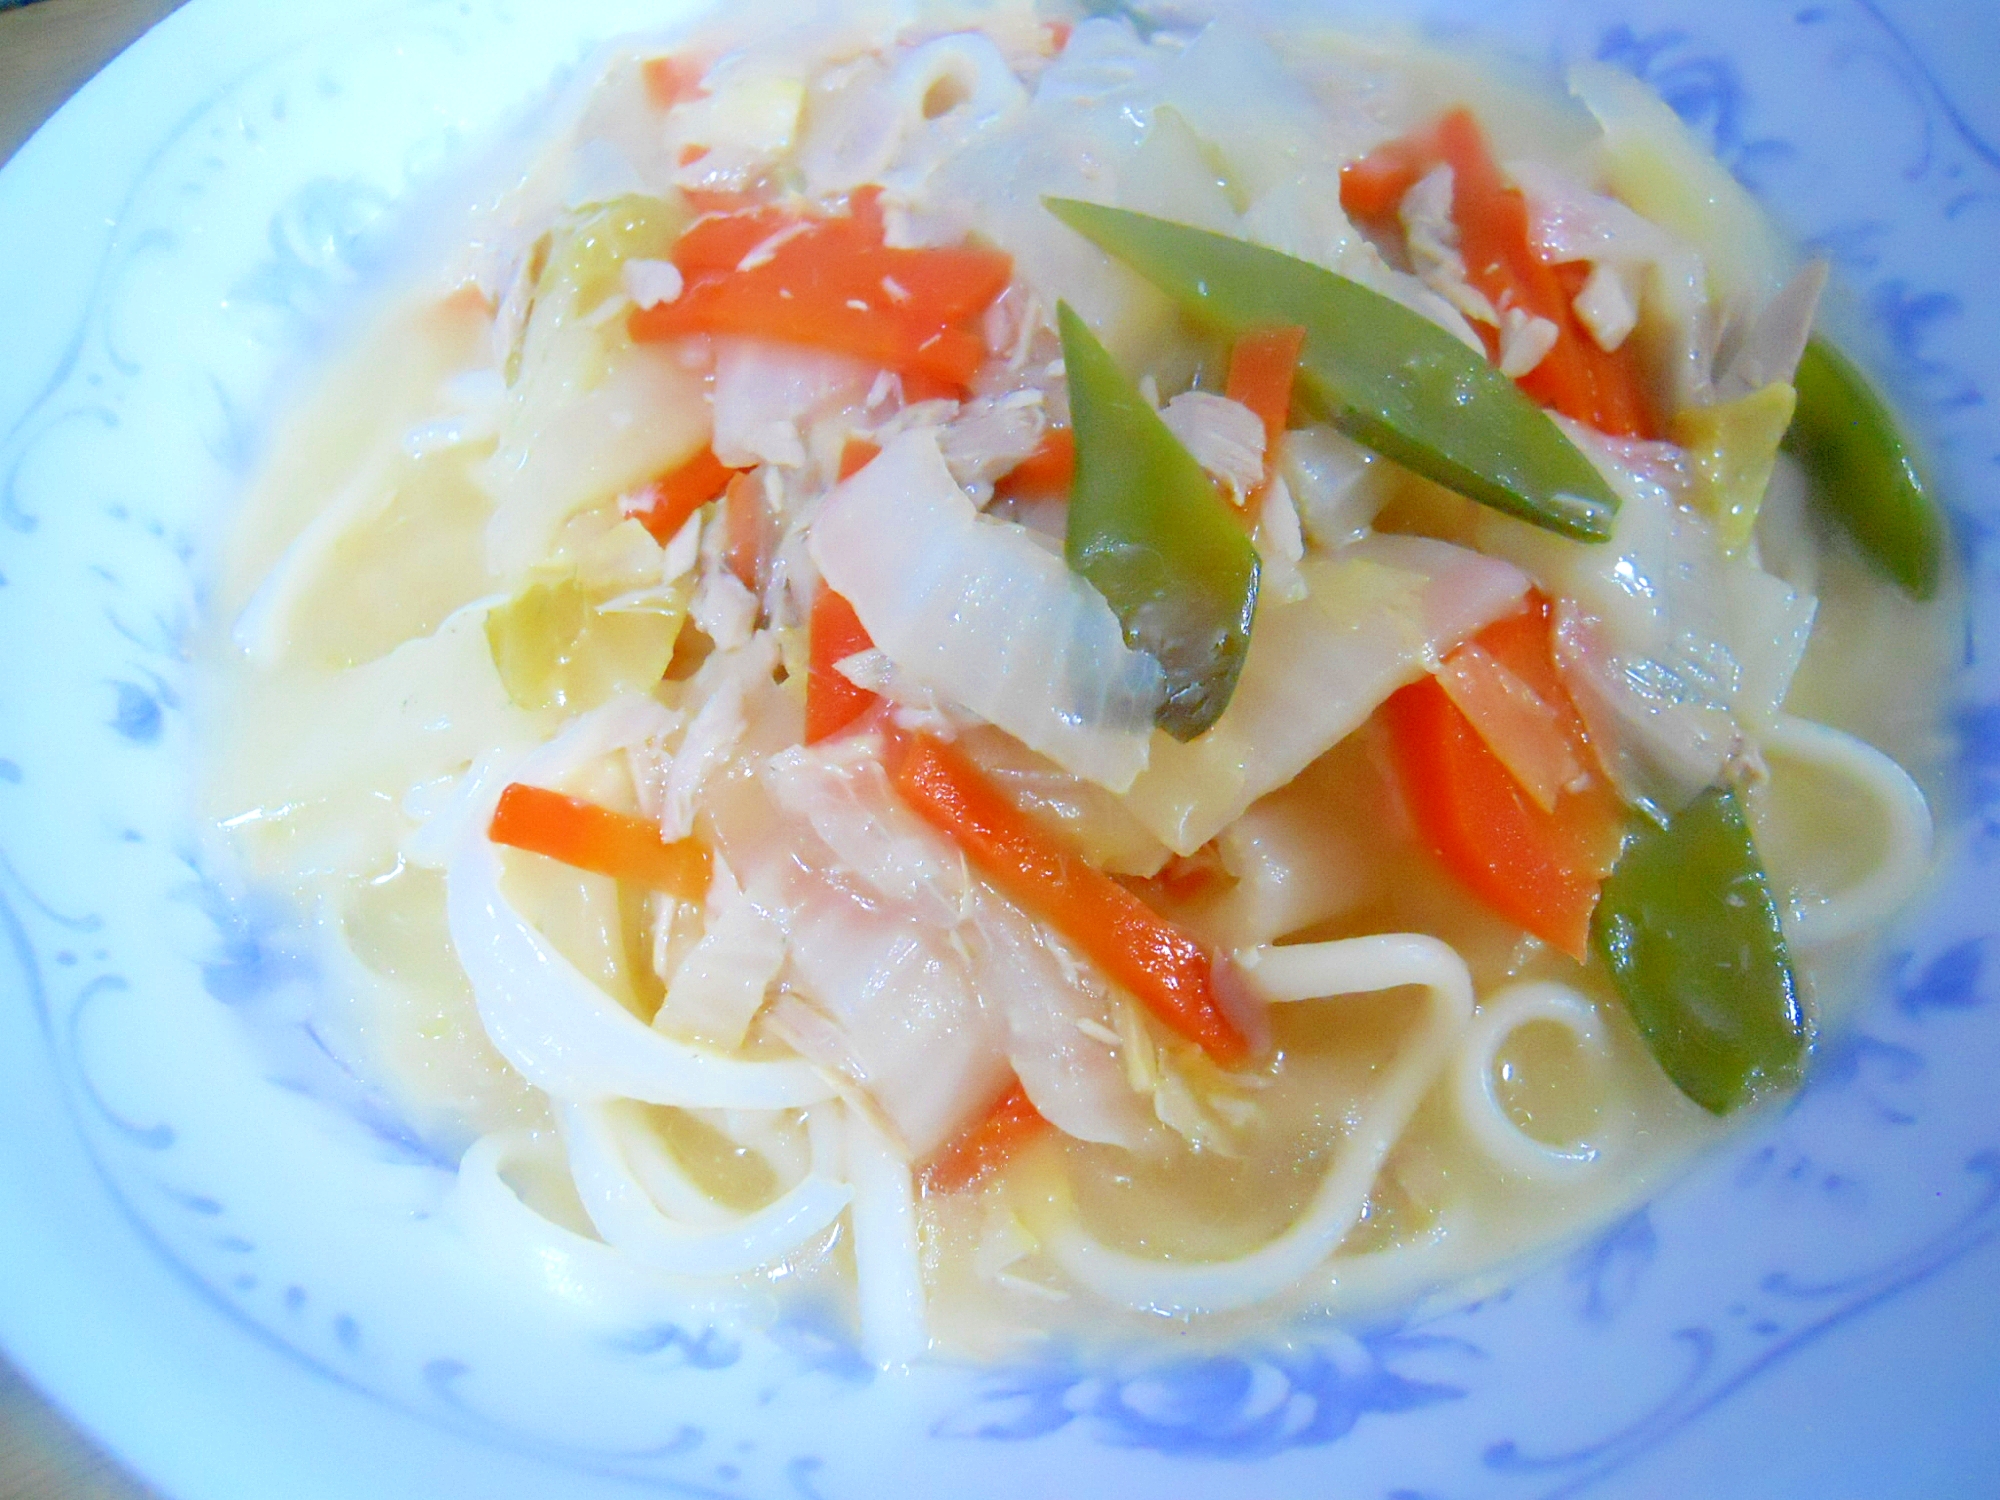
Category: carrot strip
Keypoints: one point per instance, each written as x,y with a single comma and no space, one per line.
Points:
857,455
595,838
1167,970
986,1146
756,310
749,531
1049,470
1372,189
1519,726
677,494
718,242
1540,869
669,80
920,386
1261,367
834,633
833,283
1577,378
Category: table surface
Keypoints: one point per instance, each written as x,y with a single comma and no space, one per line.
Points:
48,50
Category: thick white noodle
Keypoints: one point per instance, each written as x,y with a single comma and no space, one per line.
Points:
665,1180
1486,1118
561,1030
1306,971
263,629
888,1263
1907,831
786,1146
1376,1276
610,1287
598,1139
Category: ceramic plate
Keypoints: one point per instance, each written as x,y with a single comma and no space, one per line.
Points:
228,1261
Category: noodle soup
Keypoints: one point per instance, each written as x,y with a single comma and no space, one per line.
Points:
1052,673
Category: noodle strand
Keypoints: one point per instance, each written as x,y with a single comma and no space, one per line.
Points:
1486,1119
1283,975
1908,831
598,1138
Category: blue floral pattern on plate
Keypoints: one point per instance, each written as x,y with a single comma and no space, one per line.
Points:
173,1014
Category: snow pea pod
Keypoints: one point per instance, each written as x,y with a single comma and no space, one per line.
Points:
1863,471
1392,379
1690,930
1149,531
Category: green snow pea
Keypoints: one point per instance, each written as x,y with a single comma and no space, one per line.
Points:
1391,379
1863,472
1149,531
1690,928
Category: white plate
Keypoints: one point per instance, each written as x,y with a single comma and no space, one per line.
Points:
230,1269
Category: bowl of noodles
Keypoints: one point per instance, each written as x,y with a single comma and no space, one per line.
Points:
1050,749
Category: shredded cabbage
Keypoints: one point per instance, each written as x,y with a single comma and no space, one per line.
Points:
975,609
1376,614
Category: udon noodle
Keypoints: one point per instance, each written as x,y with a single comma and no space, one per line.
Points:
690,668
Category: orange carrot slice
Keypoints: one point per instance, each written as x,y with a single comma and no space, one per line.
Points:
595,838
834,633
1170,973
987,1145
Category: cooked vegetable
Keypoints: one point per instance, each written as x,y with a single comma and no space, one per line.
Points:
1261,370
1377,614
1034,649
1049,470
1520,726
577,431
595,838
988,1146
1653,162
669,80
588,258
767,395
833,702
1393,380
942,991
1539,867
856,455
1585,383
1575,376
1691,932
871,994
1864,471
1372,187
832,283
1168,971
665,504
1733,447
555,647
1152,535
749,528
